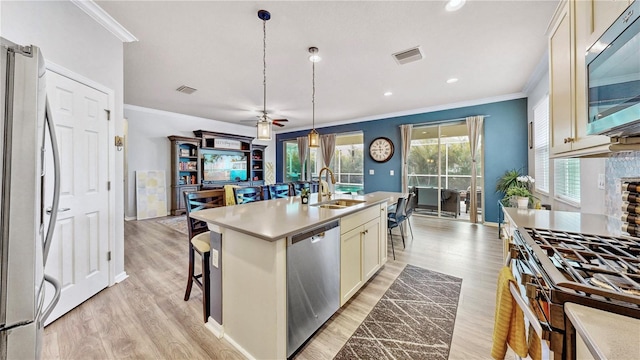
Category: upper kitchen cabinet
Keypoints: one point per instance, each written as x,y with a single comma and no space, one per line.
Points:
578,24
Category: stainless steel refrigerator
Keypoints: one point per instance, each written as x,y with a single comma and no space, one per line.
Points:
27,140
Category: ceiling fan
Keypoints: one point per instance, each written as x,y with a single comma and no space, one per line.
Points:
275,122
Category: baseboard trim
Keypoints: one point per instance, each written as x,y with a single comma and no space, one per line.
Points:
239,348
121,277
215,328
130,218
492,224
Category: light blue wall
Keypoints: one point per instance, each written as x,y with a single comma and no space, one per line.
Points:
505,137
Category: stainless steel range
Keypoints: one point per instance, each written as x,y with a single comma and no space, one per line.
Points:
557,267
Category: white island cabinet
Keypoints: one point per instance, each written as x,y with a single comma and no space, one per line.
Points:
252,260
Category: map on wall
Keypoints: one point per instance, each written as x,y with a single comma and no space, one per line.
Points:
151,194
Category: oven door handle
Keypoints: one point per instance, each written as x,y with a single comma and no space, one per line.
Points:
533,319
528,313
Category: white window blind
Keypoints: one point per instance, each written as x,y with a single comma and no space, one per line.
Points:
566,179
541,144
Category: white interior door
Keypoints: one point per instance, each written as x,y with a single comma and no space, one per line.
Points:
78,255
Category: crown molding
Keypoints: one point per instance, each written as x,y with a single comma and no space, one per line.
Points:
457,105
540,70
103,18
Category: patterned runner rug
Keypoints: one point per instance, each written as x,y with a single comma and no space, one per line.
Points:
414,319
177,223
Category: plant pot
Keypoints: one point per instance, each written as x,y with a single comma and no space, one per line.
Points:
305,199
523,202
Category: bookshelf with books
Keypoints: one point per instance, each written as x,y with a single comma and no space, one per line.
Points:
184,170
257,163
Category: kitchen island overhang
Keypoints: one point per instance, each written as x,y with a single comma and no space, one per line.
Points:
252,287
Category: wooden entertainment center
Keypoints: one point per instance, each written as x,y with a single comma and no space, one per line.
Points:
211,160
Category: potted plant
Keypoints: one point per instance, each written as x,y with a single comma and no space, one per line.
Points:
304,195
521,194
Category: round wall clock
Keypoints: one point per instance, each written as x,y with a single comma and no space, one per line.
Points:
381,149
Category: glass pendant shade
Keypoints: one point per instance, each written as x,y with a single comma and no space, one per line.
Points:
314,139
264,130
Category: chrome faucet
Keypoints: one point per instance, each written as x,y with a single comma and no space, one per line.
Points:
333,181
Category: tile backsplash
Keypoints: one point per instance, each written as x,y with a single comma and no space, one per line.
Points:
618,166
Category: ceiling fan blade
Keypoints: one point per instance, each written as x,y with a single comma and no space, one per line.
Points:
277,124
280,120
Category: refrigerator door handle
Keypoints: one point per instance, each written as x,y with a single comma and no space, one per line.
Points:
56,182
56,286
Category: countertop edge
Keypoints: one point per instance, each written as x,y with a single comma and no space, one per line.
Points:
339,214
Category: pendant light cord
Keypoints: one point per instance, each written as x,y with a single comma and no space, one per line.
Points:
313,95
264,69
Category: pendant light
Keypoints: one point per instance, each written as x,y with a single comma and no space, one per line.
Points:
314,137
264,125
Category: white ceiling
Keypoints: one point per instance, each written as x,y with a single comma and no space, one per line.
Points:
493,47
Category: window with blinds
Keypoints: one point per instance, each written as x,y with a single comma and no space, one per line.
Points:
566,178
541,144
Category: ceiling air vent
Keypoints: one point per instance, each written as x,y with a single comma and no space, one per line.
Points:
407,56
187,90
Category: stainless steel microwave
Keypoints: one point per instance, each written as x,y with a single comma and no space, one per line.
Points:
613,78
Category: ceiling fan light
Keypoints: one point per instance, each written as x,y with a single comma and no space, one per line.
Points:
314,139
264,130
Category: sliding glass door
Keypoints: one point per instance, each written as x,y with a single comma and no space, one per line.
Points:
439,166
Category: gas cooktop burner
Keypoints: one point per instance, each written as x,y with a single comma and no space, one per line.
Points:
592,265
613,282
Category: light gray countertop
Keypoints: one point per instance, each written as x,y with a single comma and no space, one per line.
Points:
278,218
607,335
596,224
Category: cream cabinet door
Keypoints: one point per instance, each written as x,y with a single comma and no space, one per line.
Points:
371,248
592,18
561,84
350,263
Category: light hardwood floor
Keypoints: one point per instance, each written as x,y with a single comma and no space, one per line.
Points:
146,317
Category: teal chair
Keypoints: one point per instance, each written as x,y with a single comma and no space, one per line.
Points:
247,194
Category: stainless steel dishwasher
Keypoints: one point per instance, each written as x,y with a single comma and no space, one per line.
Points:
313,281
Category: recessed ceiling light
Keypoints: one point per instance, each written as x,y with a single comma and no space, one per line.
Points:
454,5
388,93
452,80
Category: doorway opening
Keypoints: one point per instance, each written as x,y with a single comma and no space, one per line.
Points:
439,166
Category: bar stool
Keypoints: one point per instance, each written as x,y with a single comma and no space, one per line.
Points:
199,241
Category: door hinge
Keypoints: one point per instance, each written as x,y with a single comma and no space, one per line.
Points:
108,185
108,114
108,255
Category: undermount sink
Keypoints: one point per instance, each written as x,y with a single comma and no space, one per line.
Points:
339,203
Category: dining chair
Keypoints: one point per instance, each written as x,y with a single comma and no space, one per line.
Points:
411,205
298,186
277,191
395,219
264,192
199,241
247,194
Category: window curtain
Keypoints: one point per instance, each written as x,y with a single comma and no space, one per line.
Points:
474,127
405,132
327,147
303,151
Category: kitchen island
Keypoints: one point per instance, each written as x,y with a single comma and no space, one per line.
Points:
249,262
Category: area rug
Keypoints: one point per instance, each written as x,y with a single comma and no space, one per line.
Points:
177,223
414,319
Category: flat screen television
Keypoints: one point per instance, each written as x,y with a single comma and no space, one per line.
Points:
220,166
